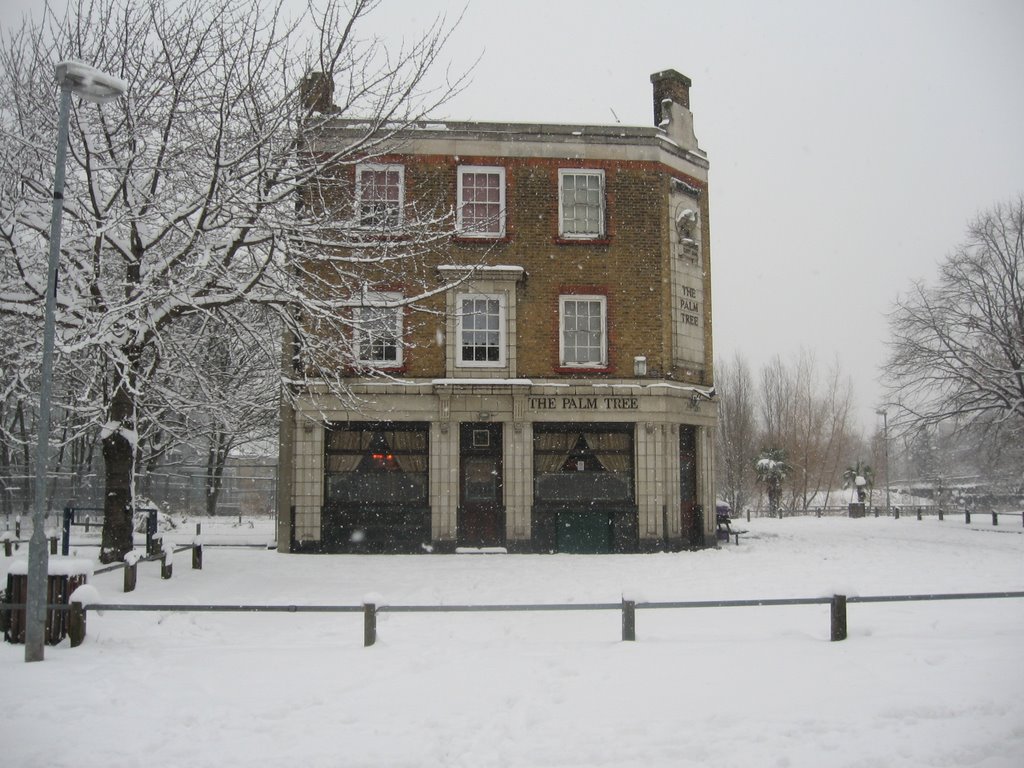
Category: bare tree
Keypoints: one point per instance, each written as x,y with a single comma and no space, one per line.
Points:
737,431
230,398
807,416
203,191
957,347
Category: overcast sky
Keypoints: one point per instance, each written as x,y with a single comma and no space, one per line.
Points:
850,142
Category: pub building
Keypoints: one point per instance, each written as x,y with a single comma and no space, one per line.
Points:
560,397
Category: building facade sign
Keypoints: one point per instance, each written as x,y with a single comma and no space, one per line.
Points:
583,403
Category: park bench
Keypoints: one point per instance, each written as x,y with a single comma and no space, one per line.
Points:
725,529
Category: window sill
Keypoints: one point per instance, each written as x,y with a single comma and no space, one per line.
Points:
368,369
603,240
583,370
376,236
484,239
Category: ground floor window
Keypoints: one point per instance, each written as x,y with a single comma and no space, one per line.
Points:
583,461
375,486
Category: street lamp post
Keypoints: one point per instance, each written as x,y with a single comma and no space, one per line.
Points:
92,85
885,439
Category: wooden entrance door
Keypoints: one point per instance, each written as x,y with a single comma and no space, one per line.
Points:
481,508
691,525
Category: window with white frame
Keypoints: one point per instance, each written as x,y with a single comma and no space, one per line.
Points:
481,209
380,195
581,203
583,337
379,330
481,330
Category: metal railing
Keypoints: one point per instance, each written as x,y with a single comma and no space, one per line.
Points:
628,609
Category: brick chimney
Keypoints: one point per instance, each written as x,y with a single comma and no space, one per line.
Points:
317,93
669,84
672,108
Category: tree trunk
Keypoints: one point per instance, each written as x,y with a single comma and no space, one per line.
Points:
216,458
118,460
26,497
117,502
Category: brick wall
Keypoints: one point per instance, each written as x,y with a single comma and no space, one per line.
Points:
629,265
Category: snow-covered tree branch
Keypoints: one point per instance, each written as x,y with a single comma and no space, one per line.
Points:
203,200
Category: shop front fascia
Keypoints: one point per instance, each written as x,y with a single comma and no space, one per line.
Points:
518,464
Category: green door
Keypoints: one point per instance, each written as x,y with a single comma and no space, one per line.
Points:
584,531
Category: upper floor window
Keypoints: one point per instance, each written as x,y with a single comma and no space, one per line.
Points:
581,203
481,209
583,337
379,331
380,195
481,330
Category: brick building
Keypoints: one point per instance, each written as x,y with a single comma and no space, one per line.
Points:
559,396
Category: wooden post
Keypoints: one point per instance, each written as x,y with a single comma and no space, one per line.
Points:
838,617
628,620
166,569
918,513
131,573
817,512
369,624
8,548
940,514
967,514
65,544
995,517
153,541
17,527
896,512
53,545
199,529
76,624
197,557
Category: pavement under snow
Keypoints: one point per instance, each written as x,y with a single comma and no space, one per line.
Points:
916,684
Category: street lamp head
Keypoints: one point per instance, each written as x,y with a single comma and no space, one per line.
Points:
89,83
881,412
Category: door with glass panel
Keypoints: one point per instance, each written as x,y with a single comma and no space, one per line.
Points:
481,521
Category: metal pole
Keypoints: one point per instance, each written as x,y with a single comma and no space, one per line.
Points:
38,556
885,437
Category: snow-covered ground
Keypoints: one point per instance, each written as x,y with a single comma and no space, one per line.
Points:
916,684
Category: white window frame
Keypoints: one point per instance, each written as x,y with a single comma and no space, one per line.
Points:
501,362
379,301
378,167
575,297
465,231
562,219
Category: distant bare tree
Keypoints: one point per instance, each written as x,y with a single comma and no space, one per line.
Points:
957,347
807,416
737,431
